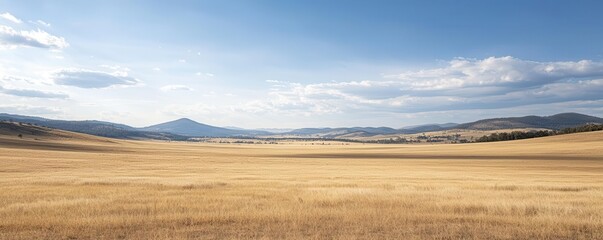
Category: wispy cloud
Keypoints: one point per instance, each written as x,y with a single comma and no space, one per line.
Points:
41,23
176,88
35,38
83,78
202,74
32,93
10,17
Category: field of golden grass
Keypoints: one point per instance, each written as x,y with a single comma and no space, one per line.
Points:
93,188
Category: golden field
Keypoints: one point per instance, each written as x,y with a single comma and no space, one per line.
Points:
83,187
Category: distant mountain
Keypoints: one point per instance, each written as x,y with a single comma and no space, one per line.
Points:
428,128
190,128
337,132
555,122
443,125
98,128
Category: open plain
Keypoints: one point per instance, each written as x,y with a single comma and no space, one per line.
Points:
76,186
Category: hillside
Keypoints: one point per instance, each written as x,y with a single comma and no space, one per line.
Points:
27,131
28,136
555,122
97,128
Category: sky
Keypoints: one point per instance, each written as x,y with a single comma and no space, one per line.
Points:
292,64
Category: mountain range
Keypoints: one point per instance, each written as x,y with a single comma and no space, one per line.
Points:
185,128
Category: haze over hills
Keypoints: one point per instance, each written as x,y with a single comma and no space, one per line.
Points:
185,128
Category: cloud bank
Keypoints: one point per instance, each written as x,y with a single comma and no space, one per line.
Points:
491,83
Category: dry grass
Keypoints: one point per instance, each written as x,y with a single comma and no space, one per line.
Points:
548,188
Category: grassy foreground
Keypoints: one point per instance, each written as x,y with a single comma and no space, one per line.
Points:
89,188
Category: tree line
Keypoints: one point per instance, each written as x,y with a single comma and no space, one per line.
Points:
516,135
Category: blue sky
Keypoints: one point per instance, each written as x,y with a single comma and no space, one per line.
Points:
266,64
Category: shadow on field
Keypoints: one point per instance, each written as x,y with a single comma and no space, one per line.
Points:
56,146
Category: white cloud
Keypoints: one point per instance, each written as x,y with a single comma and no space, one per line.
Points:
35,38
10,17
182,60
176,88
156,69
83,78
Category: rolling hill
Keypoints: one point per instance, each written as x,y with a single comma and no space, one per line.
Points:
554,122
17,135
98,128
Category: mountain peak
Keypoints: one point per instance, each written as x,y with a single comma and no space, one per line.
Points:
191,128
184,120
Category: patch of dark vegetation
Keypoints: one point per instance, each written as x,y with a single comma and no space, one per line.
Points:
516,135
204,185
506,187
565,189
21,129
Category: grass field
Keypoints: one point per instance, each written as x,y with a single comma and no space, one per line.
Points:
92,188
